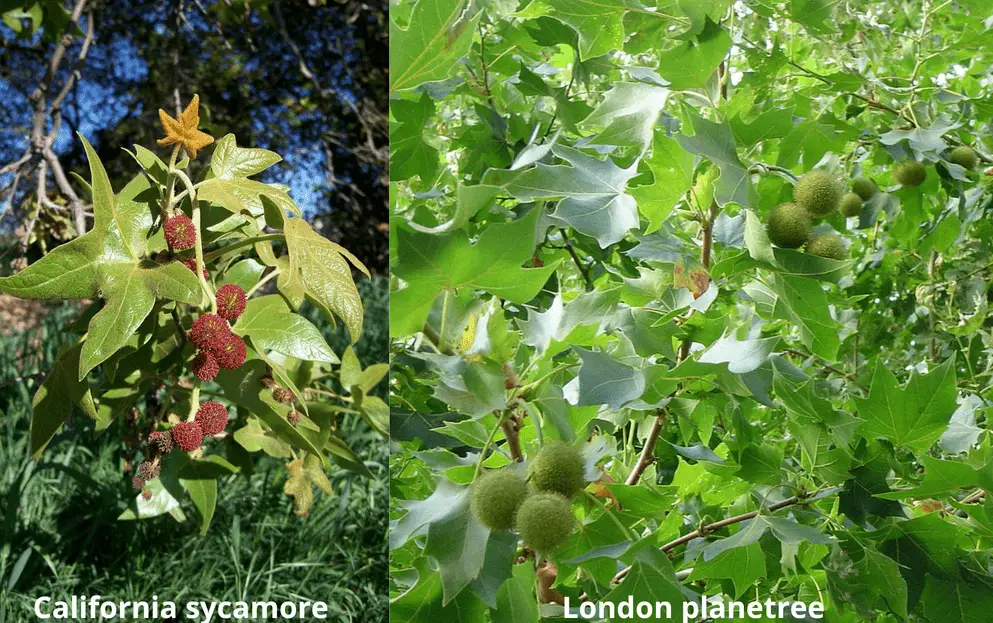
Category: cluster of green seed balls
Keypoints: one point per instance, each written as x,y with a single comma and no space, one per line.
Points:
913,173
540,508
816,195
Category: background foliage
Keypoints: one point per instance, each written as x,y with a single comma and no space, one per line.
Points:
61,535
579,191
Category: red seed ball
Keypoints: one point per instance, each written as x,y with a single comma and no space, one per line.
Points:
180,233
212,417
209,332
160,442
230,302
148,470
232,352
187,435
205,366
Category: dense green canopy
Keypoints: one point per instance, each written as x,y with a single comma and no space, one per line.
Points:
580,194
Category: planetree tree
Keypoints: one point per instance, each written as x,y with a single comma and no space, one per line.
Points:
733,254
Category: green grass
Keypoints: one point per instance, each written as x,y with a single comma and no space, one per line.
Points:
59,534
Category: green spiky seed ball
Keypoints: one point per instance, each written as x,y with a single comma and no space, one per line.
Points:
558,468
789,225
818,192
851,204
964,156
829,245
496,496
545,522
910,173
864,188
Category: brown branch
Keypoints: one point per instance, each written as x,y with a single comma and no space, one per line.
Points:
513,438
974,497
648,451
717,525
377,153
43,134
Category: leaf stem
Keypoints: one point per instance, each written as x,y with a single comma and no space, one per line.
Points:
486,447
617,522
170,182
198,248
583,269
546,376
261,283
213,255
444,319
194,400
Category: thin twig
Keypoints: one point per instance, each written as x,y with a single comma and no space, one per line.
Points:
717,525
583,269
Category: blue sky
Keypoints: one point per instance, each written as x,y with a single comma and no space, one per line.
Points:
302,169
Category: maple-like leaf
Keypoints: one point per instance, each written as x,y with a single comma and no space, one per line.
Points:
304,473
184,130
108,262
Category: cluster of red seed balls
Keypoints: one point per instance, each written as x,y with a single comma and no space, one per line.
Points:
218,347
211,419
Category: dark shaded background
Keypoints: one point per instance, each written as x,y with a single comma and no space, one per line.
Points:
305,79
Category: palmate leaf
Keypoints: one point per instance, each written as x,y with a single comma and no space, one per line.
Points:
230,188
54,399
230,161
787,531
803,302
253,437
599,23
627,115
691,65
604,380
244,388
304,474
243,196
715,142
430,263
943,477
672,170
424,601
593,193
107,263
199,478
741,565
913,416
410,155
325,274
439,32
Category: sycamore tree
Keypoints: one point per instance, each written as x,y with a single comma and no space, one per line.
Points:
690,299
185,346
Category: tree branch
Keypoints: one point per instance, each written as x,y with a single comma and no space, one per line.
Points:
648,451
513,438
717,525
583,269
